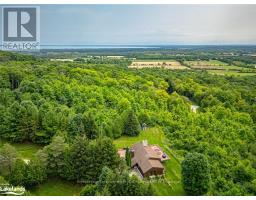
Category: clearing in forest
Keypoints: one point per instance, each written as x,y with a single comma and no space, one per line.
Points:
171,183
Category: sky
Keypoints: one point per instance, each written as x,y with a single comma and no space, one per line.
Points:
147,24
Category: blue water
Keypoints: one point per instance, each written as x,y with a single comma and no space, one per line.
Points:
96,46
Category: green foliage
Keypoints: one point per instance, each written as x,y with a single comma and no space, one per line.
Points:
90,126
3,181
128,157
8,156
103,178
195,174
81,161
54,156
122,184
35,173
131,126
42,99
76,126
88,190
18,173
27,174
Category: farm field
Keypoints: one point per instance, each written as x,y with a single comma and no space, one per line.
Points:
167,64
230,73
212,64
171,184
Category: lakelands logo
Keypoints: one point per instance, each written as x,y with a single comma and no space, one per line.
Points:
6,189
20,28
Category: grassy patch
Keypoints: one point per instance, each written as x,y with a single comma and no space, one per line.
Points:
26,150
153,135
171,185
57,187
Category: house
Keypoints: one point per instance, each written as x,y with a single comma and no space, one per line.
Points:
146,160
194,108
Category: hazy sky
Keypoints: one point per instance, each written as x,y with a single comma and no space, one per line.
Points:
148,24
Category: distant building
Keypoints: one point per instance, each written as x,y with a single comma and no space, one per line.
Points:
194,108
62,59
115,57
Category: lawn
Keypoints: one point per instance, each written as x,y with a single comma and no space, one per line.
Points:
26,149
171,185
56,187
153,135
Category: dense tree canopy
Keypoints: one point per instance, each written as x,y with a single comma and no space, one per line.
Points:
195,174
53,103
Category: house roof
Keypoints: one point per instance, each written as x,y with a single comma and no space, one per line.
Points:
145,157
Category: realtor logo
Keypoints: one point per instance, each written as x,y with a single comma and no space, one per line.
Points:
20,28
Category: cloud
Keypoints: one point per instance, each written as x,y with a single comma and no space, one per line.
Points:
148,24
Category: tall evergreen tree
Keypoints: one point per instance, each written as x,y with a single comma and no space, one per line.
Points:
56,153
8,156
18,173
128,157
104,178
79,159
90,126
76,126
131,125
28,122
35,173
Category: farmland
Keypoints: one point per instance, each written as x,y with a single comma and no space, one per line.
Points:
166,64
211,65
231,73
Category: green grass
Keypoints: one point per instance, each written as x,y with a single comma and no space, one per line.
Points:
153,135
57,187
205,62
54,186
231,73
172,166
26,150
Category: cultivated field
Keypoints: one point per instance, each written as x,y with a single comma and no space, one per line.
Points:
231,73
171,64
212,64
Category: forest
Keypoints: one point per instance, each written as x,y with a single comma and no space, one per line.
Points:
77,110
